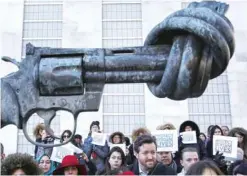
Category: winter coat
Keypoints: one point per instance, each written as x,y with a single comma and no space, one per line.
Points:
199,145
159,169
96,153
45,150
117,133
209,146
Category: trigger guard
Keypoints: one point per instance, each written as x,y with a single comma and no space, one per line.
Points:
49,145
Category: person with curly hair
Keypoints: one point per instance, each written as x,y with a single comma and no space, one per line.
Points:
37,132
20,164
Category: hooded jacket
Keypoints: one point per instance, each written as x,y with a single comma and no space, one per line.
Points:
209,146
243,132
122,140
200,146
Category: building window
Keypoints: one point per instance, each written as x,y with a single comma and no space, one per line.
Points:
213,107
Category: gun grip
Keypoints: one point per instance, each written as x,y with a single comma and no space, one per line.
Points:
10,110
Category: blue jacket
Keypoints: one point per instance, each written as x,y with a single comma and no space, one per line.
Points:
101,153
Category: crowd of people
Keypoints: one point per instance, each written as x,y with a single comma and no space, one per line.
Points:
139,158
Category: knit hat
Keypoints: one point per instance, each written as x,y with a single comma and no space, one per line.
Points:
94,123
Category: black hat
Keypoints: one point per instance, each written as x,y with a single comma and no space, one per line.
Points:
78,136
94,123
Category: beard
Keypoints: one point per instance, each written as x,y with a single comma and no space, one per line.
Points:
150,164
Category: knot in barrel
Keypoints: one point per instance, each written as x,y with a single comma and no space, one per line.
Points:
202,43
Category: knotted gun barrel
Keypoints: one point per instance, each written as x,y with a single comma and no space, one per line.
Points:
180,55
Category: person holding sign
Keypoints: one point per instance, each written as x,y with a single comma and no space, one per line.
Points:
190,139
241,134
164,155
145,149
97,153
216,130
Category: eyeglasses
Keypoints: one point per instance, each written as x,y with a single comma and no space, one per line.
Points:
66,136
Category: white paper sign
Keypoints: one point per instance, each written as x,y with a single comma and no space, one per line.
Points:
99,138
189,137
226,145
74,148
167,140
58,153
122,146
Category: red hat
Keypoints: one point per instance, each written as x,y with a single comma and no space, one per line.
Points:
127,173
68,161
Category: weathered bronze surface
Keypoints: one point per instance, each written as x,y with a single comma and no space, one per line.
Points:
180,55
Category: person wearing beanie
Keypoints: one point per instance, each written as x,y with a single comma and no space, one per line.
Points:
96,153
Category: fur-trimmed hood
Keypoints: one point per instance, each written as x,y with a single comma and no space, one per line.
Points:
119,134
192,124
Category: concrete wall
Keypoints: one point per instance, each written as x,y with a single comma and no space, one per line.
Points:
237,69
11,20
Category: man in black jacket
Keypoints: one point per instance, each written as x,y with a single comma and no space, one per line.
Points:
145,149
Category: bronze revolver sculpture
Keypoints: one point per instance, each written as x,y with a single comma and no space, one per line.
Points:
180,55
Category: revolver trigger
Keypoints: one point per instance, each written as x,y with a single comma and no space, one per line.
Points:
48,116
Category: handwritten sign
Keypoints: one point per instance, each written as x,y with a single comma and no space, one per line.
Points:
226,145
122,146
74,148
166,140
99,138
58,153
189,137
